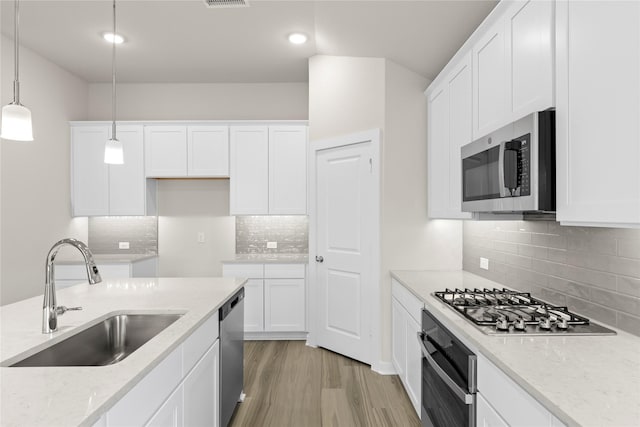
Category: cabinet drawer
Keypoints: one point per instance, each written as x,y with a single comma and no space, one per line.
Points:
136,407
250,271
284,271
410,302
520,408
199,341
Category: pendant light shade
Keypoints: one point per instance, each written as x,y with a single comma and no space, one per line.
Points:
113,152
16,123
16,118
113,149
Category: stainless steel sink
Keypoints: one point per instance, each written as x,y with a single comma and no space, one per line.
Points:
105,343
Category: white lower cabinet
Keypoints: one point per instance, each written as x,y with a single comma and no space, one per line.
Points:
406,311
518,409
182,390
275,298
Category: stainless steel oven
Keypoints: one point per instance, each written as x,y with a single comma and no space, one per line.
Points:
512,169
448,377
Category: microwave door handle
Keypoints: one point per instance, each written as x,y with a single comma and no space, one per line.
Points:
455,388
503,189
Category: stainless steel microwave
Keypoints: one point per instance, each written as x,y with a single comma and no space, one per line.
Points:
512,169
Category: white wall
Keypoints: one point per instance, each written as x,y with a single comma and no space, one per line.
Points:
349,94
35,209
186,207
157,101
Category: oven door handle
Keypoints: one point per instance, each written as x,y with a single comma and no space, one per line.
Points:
455,388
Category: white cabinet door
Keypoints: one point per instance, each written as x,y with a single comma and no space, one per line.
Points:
208,151
90,175
127,181
598,105
530,34
486,416
165,151
254,305
201,390
460,129
414,363
288,170
398,338
284,304
170,413
490,61
438,153
249,170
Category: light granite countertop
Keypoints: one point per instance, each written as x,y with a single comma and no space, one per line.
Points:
269,259
69,396
76,258
582,380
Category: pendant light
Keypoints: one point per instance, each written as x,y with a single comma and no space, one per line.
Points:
16,118
113,150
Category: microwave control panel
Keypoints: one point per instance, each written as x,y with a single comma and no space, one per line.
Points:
522,145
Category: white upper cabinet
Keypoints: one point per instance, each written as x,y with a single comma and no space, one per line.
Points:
288,170
166,151
450,112
208,151
513,65
89,173
490,80
99,189
268,170
184,151
530,34
249,170
598,111
127,181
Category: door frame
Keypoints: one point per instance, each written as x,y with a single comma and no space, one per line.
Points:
374,137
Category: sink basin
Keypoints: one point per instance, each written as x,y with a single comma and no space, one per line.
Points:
105,343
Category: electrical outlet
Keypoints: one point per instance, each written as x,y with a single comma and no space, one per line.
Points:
123,245
484,263
201,238
272,245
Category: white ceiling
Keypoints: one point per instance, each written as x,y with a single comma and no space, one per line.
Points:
184,41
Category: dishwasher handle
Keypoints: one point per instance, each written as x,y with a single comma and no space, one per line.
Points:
231,303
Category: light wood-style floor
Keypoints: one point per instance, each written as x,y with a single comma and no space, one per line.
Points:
290,384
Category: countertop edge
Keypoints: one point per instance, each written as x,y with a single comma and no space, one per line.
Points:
531,390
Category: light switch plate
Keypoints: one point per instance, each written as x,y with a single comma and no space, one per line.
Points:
201,237
272,245
123,245
484,263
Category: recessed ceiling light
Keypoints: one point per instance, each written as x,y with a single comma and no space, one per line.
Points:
297,38
117,39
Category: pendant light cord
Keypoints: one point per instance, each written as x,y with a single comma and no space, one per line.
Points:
113,74
16,82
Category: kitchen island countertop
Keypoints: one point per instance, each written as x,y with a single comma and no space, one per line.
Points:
68,396
582,380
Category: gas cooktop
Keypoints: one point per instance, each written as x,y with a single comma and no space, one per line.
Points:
505,311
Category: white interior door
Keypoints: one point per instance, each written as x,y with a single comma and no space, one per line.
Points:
346,211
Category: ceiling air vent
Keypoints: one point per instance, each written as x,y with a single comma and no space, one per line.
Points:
226,3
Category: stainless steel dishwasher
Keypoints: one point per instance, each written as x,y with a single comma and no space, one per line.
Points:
231,355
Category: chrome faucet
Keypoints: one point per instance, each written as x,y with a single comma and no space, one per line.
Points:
50,309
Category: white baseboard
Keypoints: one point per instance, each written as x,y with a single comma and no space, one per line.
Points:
275,336
384,368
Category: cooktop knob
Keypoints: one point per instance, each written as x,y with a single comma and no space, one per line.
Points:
519,324
562,323
545,323
502,324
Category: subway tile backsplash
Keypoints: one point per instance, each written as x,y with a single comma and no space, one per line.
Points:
141,232
593,271
290,232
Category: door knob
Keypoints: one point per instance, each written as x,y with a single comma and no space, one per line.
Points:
319,259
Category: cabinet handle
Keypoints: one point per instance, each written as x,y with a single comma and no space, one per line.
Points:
319,259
